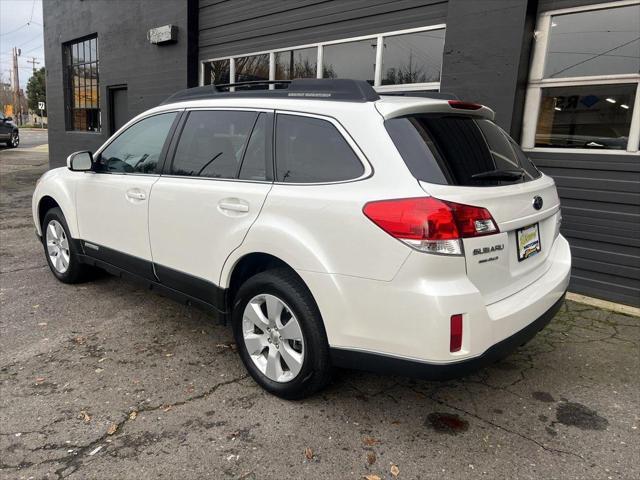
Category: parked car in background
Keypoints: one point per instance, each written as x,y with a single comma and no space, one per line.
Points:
330,225
9,132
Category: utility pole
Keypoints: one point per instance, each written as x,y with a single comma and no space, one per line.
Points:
16,86
33,63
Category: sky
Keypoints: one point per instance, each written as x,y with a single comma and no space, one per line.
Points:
21,26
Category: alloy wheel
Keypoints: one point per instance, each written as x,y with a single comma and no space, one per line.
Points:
57,246
15,140
273,338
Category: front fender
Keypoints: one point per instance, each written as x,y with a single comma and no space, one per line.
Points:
59,184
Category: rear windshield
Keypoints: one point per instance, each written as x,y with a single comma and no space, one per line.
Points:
455,150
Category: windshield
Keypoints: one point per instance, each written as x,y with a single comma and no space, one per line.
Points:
457,150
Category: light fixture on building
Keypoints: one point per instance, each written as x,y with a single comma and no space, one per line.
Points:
558,109
611,100
626,107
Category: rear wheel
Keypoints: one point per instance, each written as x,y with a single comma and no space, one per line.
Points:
59,250
280,334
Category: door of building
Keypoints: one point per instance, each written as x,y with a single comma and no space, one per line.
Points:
118,107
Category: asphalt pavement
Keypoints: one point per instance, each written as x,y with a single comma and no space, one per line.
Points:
108,380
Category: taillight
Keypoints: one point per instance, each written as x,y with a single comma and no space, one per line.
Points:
455,335
459,104
429,224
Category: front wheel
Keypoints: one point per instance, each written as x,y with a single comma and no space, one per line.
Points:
59,250
280,334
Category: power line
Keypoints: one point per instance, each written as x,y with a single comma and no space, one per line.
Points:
595,56
15,30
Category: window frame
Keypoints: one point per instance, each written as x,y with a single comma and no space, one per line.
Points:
68,90
537,82
177,134
367,168
379,37
168,142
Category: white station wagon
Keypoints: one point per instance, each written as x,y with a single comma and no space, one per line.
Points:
329,225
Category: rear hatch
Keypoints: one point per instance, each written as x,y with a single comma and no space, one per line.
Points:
469,160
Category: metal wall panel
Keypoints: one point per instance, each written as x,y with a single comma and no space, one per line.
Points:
601,219
235,27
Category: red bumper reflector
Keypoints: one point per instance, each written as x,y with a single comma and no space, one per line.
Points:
455,342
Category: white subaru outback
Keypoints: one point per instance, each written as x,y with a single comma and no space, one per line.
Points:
331,226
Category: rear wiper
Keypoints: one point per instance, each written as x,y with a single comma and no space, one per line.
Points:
499,175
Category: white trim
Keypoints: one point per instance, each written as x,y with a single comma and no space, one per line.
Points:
586,8
634,128
377,76
579,150
319,63
537,82
272,68
379,37
408,87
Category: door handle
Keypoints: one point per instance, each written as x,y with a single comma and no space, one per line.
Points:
233,206
136,194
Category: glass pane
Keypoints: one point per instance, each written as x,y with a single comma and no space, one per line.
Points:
301,63
254,166
212,143
251,69
449,150
217,72
412,58
355,60
598,42
310,150
138,148
595,116
94,49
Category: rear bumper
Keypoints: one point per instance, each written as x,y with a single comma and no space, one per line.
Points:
360,360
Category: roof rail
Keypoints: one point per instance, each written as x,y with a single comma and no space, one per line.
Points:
340,89
434,95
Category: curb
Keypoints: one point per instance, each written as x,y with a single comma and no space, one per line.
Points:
604,304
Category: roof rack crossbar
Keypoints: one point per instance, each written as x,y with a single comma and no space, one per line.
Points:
251,83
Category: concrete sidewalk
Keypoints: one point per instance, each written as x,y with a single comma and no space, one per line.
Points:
107,380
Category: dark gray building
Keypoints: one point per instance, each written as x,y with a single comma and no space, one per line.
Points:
562,76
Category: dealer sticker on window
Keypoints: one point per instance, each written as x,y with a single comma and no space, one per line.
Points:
528,239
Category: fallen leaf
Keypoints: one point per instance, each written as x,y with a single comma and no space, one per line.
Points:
371,458
39,379
133,415
370,441
372,477
79,340
189,389
86,418
308,453
395,471
36,306
169,355
167,408
112,429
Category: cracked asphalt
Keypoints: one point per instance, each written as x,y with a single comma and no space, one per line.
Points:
107,380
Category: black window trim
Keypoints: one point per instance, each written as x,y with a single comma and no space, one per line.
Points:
367,167
67,89
166,170
163,152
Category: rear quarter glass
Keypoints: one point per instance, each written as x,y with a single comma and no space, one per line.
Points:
452,149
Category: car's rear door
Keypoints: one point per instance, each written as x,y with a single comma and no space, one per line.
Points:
211,192
112,202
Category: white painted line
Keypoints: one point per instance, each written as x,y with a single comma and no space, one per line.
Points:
604,304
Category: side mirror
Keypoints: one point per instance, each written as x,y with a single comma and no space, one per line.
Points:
7,119
80,161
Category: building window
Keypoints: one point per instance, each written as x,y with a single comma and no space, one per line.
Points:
584,82
82,99
403,60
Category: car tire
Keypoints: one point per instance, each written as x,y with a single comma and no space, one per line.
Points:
289,367
59,249
14,140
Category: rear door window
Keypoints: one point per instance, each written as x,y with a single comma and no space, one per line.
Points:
455,150
212,143
312,150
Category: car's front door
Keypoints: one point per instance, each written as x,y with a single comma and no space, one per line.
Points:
5,128
112,202
211,193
